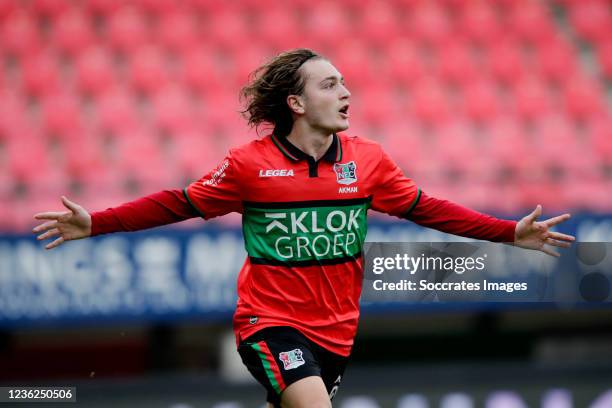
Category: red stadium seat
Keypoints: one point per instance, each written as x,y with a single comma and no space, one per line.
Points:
479,22
599,131
8,7
206,7
73,32
531,21
49,8
195,154
592,19
511,203
554,135
457,152
227,29
583,98
157,7
202,72
453,68
258,6
379,23
378,104
455,63
582,165
95,71
506,142
22,152
103,7
542,192
41,74
221,108
429,102
506,62
117,111
277,27
140,160
178,31
403,62
430,23
532,98
82,155
19,34
556,60
327,24
173,110
402,140
454,139
355,63
148,70
233,132
352,7
561,152
8,221
246,61
604,56
588,195
86,163
481,100
61,113
127,30
13,113
146,177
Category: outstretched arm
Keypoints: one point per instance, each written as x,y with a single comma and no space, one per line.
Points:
452,218
164,207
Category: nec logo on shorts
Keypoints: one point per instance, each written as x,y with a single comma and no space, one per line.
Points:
291,359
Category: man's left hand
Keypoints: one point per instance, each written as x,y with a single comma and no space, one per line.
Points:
533,234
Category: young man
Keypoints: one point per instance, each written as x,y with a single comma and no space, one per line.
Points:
304,192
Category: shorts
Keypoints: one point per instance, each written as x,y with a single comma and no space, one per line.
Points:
280,356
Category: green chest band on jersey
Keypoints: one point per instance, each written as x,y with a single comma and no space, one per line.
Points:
306,232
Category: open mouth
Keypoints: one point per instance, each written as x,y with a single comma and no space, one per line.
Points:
344,111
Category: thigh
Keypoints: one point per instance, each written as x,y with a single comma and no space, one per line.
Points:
278,357
308,392
332,370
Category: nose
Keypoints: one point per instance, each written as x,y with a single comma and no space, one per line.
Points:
345,92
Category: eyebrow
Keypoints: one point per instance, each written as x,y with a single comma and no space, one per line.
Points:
332,78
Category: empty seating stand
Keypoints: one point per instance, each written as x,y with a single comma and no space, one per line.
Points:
108,100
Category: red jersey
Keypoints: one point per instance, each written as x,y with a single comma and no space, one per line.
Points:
304,224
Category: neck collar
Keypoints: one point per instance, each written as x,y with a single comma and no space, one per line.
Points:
332,155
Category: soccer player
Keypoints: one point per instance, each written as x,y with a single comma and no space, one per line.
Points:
303,191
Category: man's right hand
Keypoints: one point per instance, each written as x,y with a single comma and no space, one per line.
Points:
67,225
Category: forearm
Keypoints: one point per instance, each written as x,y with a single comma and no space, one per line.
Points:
164,207
452,218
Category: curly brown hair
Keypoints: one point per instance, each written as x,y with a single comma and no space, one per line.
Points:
270,85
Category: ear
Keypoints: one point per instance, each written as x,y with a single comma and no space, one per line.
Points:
296,104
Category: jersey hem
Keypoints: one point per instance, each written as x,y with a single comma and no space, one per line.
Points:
243,333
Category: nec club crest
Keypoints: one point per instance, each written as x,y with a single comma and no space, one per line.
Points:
346,173
291,359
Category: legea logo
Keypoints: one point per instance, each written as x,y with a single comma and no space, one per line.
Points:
276,173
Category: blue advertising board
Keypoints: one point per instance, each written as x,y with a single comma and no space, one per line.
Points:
164,273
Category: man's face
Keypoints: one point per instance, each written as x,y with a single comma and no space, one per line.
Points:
325,98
